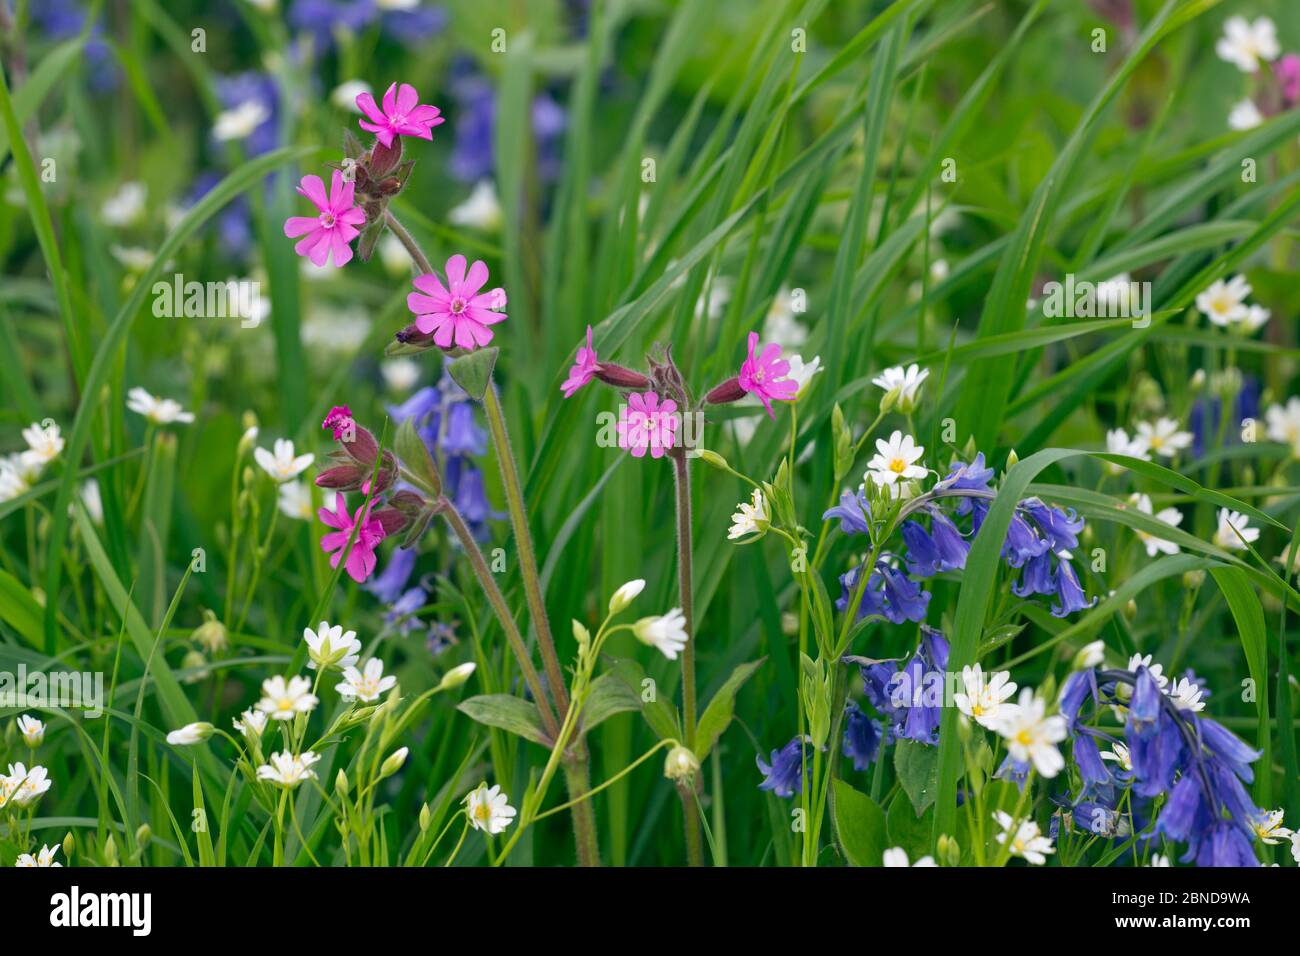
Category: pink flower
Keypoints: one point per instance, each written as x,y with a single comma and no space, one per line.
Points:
583,371
338,421
764,375
460,311
647,423
361,559
334,228
1287,71
401,116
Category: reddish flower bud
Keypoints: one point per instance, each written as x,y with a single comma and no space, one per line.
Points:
729,391
346,477
411,335
391,519
621,377
384,159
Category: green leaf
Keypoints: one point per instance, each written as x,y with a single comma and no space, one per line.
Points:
414,454
917,766
718,714
473,372
660,714
507,713
859,825
1249,615
909,829
19,609
609,695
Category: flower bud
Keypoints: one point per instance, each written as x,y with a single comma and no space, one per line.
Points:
196,662
1092,654
681,763
426,817
384,159
1193,579
143,834
393,762
110,851
726,393
620,377
411,335
341,783
949,850
582,636
712,458
69,845
191,734
211,635
457,676
625,595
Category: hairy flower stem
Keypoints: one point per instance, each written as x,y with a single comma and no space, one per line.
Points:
406,239
685,585
502,609
577,779
524,542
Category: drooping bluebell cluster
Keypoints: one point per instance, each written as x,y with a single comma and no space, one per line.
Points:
909,698
1038,544
444,419
1203,420
1196,763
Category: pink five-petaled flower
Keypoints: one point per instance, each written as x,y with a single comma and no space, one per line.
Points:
334,228
584,369
361,559
764,375
460,311
647,423
402,115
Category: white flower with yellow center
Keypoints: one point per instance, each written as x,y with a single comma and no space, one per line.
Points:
43,443
366,684
251,723
667,632
1118,443
1268,827
1118,753
802,372
1185,695
283,465
749,518
984,700
1244,43
1025,840
1234,531
284,700
287,769
1163,437
1284,424
33,730
160,411
1170,516
489,810
902,387
1224,303
294,501
331,646
1031,735
897,856
24,787
44,858
895,460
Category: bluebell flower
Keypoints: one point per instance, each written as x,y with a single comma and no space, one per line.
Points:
918,690
410,27
1021,542
471,497
401,613
1226,845
1068,591
1016,771
1203,420
473,154
876,687
389,584
853,511
929,555
863,737
463,435
951,544
64,19
903,598
440,637
1088,759
784,775
1059,527
871,601
1036,578
322,18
